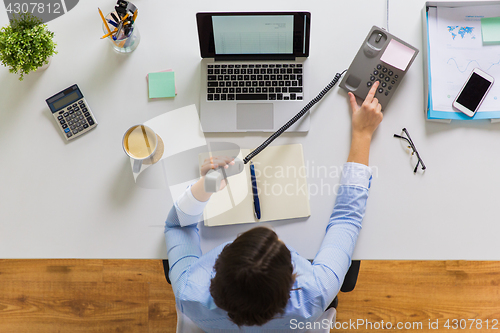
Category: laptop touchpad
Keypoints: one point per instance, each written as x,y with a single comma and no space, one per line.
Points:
254,116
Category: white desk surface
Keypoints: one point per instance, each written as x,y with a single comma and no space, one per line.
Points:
79,200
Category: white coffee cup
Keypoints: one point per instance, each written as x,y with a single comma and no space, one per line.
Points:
140,143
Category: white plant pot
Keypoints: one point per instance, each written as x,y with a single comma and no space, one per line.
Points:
45,66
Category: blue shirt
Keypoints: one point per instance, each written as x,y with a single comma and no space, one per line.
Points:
316,283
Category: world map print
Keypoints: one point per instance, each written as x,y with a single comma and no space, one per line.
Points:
456,30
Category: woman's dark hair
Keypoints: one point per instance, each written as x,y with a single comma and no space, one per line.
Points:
253,277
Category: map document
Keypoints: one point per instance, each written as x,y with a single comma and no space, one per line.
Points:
456,48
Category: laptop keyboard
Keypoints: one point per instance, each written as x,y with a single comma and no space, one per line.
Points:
230,82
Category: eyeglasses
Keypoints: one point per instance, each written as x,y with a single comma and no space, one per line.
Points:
414,150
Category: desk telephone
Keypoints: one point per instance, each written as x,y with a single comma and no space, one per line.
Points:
382,57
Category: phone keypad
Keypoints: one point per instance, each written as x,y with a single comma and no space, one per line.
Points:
387,78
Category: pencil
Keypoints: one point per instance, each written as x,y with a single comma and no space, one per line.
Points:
105,23
109,34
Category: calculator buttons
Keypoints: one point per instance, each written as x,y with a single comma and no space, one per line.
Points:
75,119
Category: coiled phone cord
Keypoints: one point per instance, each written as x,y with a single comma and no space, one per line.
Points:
294,119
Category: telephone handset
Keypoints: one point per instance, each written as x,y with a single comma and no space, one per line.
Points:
214,177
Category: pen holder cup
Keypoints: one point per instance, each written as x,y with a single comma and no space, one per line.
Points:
123,43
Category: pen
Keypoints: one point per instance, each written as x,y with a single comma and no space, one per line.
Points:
113,23
114,17
256,202
118,30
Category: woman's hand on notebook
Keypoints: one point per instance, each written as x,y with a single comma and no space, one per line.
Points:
212,163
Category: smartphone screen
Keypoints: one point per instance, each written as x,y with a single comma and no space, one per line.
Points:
473,92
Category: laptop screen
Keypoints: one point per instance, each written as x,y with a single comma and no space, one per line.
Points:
271,35
257,34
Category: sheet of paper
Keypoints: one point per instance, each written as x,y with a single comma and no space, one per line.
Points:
180,131
397,55
490,30
456,49
161,84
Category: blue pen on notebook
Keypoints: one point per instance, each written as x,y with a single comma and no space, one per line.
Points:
256,202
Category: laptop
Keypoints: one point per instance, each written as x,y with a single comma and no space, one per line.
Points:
254,70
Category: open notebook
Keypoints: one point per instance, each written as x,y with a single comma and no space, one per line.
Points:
282,183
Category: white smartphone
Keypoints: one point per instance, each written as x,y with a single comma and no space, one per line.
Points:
473,92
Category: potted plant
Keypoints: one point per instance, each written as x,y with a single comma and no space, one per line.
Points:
26,44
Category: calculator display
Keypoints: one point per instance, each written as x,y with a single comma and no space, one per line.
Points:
66,100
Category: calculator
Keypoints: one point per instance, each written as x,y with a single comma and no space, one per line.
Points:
71,112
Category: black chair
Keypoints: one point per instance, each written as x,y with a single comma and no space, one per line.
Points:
166,268
349,282
347,286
